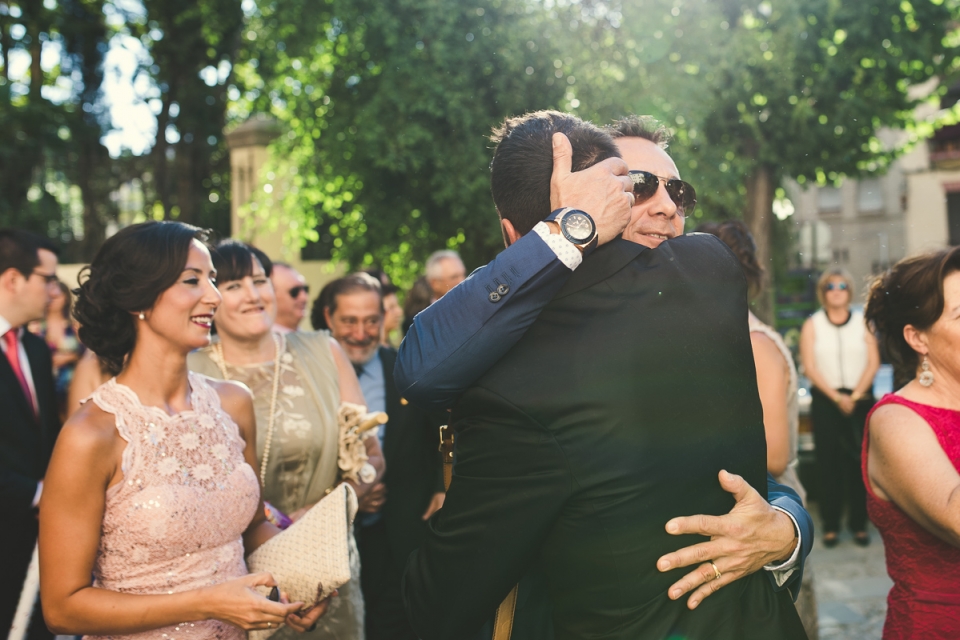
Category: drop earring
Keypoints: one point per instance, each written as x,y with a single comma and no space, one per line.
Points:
926,376
141,316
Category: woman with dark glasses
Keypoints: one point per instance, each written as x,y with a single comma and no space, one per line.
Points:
840,357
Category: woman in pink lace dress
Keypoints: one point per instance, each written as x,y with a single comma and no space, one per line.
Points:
911,451
150,488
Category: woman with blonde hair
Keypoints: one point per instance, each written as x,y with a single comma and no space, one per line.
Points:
841,358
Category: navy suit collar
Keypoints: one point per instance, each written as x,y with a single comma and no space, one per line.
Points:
602,264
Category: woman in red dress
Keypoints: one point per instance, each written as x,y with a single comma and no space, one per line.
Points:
911,452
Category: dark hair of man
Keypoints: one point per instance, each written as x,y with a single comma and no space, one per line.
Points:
354,283
522,162
18,250
645,127
233,260
910,292
736,235
128,274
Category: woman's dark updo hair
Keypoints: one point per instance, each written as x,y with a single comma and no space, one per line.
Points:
128,274
737,236
233,260
910,292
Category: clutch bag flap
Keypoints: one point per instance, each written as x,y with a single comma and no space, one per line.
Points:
311,558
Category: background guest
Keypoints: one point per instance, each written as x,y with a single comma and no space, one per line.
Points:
840,357
418,298
30,424
61,337
777,382
293,293
314,378
412,487
444,270
392,311
911,455
87,376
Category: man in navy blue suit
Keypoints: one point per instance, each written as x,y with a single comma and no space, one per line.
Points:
454,342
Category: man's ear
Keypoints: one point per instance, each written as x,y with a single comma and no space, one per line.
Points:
328,318
10,278
510,234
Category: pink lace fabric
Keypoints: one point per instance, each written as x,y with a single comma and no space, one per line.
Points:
175,521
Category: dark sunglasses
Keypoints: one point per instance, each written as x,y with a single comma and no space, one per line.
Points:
300,288
645,184
841,286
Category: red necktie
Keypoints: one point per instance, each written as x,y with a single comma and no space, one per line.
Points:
12,339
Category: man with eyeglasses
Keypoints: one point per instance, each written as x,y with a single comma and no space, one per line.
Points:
393,514
30,423
292,293
459,338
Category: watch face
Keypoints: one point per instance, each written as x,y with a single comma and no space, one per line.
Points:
578,227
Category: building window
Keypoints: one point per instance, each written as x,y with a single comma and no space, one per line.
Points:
870,196
953,216
841,256
829,200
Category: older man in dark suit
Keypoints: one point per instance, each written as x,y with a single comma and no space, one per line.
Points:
30,423
394,513
610,416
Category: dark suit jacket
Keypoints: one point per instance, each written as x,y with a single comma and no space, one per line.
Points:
579,444
26,443
410,447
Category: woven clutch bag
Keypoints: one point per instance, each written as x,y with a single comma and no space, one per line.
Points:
311,558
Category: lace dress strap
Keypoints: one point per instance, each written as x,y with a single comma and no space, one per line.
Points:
112,398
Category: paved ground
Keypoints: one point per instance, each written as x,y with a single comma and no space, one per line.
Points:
851,585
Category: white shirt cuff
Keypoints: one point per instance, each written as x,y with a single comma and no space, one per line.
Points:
565,250
36,496
783,571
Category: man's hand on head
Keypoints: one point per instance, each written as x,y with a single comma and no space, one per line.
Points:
604,190
750,537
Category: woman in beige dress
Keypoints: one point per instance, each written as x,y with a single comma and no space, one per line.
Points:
301,409
777,384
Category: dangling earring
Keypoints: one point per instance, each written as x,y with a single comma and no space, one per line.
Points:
141,316
926,377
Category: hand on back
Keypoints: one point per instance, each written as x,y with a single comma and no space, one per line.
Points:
604,190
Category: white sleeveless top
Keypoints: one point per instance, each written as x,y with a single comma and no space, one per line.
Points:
840,351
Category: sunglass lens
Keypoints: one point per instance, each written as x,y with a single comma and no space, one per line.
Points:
683,195
644,185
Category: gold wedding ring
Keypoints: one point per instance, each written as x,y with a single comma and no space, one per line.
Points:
270,624
716,572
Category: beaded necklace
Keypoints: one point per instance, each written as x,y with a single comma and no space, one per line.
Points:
279,344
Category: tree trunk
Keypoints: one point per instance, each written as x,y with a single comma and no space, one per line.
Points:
36,49
160,161
5,46
759,218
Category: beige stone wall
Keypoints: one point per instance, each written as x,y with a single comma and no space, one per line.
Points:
925,221
248,154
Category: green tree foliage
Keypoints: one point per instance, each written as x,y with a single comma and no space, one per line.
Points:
388,107
760,91
51,120
192,44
